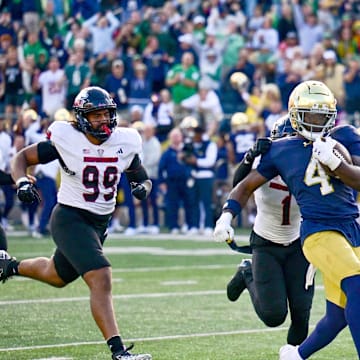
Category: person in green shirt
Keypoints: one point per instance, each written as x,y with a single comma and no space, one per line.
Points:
182,80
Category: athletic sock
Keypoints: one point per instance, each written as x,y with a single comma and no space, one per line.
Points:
115,344
325,331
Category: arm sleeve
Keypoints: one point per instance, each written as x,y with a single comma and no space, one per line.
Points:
242,171
47,152
136,172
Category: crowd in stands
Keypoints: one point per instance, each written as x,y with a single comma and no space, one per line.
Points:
218,72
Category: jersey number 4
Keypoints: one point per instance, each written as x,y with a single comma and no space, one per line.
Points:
315,174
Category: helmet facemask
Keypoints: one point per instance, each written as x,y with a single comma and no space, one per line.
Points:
312,109
325,121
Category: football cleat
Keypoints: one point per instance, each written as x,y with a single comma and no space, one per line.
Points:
237,284
125,355
289,352
5,270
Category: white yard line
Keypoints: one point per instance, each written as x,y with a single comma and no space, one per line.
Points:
121,297
156,338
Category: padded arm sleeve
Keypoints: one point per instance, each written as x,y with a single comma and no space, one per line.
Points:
47,152
136,173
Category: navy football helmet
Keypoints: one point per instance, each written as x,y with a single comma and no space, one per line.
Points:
90,99
282,127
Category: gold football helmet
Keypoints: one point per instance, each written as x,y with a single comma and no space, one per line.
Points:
62,115
239,121
189,122
312,109
239,81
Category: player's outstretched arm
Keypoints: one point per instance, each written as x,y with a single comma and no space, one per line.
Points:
236,200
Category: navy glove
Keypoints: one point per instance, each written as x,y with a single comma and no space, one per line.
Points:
26,191
261,146
141,190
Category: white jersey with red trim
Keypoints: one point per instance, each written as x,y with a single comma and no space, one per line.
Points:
278,215
93,171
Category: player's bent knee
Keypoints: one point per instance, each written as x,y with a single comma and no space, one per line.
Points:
273,319
99,279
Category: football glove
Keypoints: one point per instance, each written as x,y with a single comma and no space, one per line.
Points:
261,146
26,191
323,152
141,190
223,231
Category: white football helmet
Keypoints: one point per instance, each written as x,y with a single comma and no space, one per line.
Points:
312,109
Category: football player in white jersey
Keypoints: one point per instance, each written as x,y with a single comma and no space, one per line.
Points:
275,276
93,153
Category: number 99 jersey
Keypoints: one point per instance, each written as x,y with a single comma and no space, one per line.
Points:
90,173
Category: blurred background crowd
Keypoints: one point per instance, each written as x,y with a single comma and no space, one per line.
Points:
201,80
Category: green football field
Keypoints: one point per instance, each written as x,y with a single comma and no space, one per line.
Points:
170,300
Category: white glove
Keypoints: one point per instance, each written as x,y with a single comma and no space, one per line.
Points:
323,152
223,230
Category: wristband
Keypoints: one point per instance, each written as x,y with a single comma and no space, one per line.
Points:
232,206
21,180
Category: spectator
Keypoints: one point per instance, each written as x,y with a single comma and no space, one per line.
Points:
182,79
185,43
351,87
76,75
52,85
31,11
57,49
33,46
160,113
117,84
14,89
151,157
201,159
140,86
211,68
136,113
331,72
307,26
48,19
286,23
266,37
102,28
156,61
205,105
176,184
346,45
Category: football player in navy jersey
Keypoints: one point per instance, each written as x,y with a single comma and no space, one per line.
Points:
278,265
93,153
329,231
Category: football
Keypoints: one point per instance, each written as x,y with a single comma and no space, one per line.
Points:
342,153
